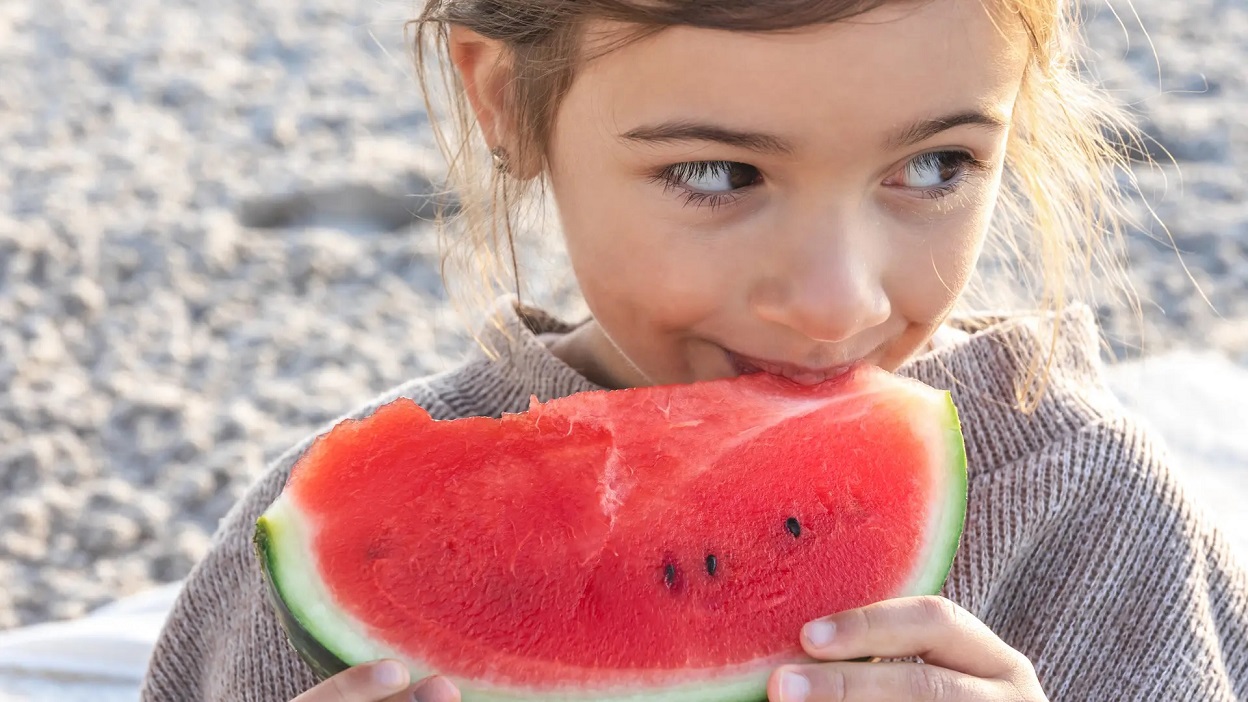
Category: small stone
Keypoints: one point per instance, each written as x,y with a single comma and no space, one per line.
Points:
85,298
21,469
192,486
66,609
108,534
179,554
110,494
1188,133
25,515
23,547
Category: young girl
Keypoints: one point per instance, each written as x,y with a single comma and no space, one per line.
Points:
789,187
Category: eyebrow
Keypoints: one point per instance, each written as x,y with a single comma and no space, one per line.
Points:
926,129
676,131
668,132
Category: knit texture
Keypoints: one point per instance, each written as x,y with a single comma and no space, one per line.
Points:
1080,549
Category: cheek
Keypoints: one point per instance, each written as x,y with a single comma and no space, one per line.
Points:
929,280
638,274
635,268
924,286
629,270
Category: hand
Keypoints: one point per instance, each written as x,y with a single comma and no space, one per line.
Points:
380,681
963,660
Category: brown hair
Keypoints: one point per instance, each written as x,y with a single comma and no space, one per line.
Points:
1058,224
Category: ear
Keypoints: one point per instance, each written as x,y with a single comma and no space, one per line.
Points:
484,73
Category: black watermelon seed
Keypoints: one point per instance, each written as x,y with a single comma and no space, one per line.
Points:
793,526
711,564
669,575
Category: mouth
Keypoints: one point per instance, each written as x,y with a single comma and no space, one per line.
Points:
802,375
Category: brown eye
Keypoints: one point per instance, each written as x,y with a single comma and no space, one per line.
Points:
713,176
935,169
937,173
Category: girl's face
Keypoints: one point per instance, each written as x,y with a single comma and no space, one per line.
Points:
790,203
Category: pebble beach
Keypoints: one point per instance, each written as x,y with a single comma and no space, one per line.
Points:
213,241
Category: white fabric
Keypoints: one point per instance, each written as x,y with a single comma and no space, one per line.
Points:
100,657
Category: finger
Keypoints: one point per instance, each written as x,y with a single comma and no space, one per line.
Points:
434,689
369,682
883,682
932,628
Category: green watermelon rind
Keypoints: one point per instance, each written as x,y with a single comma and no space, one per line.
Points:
300,599
298,625
948,523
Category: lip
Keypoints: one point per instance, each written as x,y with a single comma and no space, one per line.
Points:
802,375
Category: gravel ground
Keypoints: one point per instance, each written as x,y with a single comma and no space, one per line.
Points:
172,314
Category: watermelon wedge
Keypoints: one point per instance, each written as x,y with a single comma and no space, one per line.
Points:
662,543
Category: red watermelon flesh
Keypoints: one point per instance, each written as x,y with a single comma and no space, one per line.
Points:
654,543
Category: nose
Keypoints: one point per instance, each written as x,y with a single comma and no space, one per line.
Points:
829,288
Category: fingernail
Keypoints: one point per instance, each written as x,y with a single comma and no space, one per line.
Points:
390,675
433,689
819,633
794,687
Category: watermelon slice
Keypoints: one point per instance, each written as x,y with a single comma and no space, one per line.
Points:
662,543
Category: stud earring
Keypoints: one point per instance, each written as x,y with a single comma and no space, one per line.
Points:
500,159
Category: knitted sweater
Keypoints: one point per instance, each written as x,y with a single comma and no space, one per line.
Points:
1080,549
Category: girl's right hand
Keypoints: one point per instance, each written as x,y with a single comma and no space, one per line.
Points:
380,681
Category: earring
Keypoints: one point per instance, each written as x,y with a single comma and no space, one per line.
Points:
500,159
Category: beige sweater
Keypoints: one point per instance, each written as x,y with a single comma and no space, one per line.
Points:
1080,548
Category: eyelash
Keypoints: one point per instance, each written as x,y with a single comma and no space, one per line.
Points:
673,178
966,165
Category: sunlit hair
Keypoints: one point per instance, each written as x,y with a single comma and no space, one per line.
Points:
1059,220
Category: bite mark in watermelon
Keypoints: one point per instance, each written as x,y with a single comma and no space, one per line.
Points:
662,543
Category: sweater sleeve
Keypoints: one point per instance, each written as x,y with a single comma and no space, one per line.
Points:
1124,591
222,641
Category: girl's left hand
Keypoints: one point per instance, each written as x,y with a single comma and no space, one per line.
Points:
963,660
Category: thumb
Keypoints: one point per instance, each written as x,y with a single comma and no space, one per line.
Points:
435,689
362,683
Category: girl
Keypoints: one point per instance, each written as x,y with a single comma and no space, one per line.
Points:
789,187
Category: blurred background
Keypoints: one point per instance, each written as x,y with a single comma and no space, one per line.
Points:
211,244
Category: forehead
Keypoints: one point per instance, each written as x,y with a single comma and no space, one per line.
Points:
852,79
